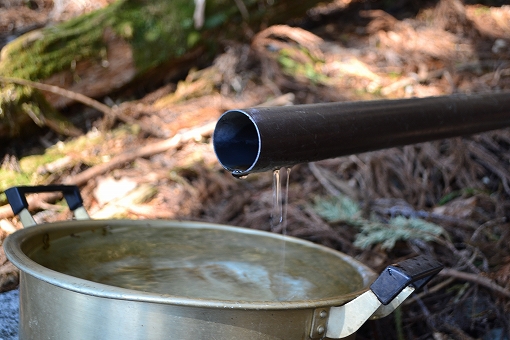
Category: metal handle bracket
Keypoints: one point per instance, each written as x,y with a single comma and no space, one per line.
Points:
395,284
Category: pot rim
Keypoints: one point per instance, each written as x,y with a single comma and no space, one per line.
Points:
13,243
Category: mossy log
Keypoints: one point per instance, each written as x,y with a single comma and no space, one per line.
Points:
105,50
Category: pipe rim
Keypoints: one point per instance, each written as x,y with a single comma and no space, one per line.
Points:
240,155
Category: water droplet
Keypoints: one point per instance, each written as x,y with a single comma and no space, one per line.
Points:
239,174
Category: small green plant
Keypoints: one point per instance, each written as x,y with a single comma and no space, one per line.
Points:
338,209
399,228
466,192
373,231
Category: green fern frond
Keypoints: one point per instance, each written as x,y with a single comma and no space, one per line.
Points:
338,209
372,231
397,229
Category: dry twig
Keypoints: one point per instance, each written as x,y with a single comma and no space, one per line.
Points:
477,279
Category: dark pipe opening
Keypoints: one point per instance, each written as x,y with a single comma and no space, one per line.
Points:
236,141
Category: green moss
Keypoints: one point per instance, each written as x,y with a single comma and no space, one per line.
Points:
394,75
27,174
9,178
154,29
482,10
293,64
29,165
42,53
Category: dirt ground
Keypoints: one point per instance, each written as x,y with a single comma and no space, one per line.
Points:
449,199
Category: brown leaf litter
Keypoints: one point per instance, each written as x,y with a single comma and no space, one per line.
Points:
460,184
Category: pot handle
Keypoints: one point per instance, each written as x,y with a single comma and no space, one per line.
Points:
415,272
388,291
17,200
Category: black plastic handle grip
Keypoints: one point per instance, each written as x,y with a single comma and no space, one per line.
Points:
18,202
416,271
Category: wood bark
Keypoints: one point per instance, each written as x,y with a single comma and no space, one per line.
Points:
128,41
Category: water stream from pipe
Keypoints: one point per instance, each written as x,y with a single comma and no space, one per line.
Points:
278,218
279,214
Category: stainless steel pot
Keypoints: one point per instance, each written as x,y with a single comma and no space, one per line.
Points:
153,279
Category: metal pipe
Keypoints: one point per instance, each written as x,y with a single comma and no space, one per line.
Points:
260,139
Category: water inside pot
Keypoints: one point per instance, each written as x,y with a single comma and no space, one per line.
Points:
202,263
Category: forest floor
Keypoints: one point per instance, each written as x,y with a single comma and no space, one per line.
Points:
448,198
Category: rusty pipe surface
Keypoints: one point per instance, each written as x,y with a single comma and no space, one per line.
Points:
260,139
